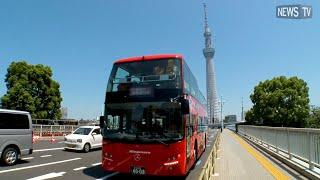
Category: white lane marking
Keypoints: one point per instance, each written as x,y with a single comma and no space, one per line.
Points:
96,164
52,149
39,165
27,158
218,158
49,155
48,176
108,176
216,174
79,168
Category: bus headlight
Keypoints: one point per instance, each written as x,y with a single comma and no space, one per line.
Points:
171,163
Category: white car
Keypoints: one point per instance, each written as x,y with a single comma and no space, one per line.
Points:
84,138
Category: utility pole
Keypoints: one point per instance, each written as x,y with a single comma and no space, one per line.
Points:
242,118
221,111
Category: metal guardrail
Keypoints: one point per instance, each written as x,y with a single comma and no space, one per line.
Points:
300,143
49,130
209,167
208,161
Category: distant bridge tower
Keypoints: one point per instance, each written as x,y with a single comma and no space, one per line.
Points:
208,52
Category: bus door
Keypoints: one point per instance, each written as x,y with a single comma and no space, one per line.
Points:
190,138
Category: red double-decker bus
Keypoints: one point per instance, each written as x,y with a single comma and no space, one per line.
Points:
155,117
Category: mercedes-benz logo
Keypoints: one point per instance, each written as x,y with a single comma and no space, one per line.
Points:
137,157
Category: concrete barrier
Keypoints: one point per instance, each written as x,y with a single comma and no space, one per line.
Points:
206,165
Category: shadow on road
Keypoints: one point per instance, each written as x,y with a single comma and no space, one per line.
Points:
79,151
98,172
95,172
2,164
131,177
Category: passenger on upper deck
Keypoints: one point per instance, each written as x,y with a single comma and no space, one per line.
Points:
125,85
158,70
171,67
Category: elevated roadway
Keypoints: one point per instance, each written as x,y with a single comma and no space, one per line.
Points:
236,159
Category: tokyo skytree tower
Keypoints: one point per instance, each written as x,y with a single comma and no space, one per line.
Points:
208,52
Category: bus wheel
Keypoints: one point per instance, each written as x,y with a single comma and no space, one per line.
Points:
86,148
205,142
196,151
10,156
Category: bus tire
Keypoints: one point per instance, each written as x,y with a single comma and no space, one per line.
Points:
205,142
196,151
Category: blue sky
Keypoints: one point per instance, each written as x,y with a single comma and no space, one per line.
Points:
80,39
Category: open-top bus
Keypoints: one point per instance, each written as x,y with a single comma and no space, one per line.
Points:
155,117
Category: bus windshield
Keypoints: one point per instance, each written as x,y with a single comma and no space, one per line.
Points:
158,74
144,122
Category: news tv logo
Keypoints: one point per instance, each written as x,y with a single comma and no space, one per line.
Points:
294,11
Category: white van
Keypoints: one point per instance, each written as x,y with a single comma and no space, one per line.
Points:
15,135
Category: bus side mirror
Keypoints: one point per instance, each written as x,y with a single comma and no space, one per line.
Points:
101,121
185,106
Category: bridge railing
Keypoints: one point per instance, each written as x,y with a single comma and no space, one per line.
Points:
207,163
300,143
56,130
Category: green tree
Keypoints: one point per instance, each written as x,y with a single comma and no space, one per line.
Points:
31,88
250,118
281,101
314,118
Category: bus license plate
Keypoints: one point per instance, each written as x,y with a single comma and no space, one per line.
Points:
138,171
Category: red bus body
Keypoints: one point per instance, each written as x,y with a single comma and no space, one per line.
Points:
169,159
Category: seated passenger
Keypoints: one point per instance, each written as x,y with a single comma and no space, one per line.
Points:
158,70
171,68
125,85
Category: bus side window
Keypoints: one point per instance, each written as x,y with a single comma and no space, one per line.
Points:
189,125
199,124
194,123
190,130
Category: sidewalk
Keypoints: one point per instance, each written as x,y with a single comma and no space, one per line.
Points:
239,160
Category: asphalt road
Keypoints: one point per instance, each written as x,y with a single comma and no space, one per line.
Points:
50,160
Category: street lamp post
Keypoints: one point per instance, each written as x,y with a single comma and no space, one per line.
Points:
221,111
242,115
